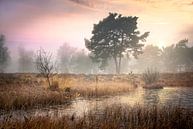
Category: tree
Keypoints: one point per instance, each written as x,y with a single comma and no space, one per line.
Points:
82,63
178,57
150,58
184,54
4,54
113,37
25,60
168,58
65,55
45,65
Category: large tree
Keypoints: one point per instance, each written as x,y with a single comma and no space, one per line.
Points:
113,37
4,54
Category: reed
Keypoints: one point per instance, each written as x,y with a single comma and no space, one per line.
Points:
102,89
150,76
114,117
24,91
25,97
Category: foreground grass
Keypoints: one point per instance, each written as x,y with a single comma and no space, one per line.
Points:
116,117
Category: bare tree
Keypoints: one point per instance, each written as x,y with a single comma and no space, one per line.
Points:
45,65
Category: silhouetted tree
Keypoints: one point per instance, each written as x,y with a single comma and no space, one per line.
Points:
113,37
25,60
45,64
4,54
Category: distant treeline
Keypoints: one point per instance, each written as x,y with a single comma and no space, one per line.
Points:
175,58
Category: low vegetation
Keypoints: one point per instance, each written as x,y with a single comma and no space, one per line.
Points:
150,76
24,91
102,89
25,97
114,117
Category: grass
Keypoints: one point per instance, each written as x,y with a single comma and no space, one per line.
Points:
24,91
25,97
114,117
102,89
150,76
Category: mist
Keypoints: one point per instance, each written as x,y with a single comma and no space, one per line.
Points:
70,59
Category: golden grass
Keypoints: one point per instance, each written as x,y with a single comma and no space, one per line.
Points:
102,88
114,117
23,97
23,91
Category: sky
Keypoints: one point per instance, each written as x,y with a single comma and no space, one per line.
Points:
50,23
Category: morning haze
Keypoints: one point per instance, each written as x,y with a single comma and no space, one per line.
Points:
96,64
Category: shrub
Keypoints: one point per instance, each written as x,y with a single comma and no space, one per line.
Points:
150,76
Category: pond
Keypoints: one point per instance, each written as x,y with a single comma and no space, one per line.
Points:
182,96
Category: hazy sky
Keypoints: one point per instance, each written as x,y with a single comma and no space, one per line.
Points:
50,23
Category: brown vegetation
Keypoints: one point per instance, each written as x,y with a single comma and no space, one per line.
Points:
114,117
177,79
23,91
24,97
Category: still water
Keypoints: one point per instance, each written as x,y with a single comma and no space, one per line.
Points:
182,96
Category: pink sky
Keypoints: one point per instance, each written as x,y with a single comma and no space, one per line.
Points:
50,23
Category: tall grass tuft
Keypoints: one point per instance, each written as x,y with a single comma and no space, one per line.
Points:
150,76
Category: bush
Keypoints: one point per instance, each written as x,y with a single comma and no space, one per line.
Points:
150,76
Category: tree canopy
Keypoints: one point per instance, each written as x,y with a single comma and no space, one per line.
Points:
113,37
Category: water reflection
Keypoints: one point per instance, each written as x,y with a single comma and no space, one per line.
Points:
151,96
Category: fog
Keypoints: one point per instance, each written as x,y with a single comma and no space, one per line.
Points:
69,59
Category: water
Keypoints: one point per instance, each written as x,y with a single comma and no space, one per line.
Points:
182,96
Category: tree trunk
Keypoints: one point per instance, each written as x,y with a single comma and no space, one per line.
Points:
116,65
119,66
119,62
48,79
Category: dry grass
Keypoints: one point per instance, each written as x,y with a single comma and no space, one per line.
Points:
23,91
115,117
102,88
24,97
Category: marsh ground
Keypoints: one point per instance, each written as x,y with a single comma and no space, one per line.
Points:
28,91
